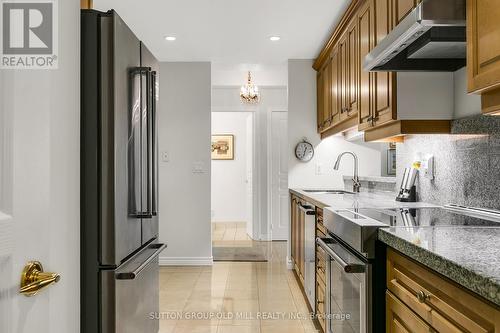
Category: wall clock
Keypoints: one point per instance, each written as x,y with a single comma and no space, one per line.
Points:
304,151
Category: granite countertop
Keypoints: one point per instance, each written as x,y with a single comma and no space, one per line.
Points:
375,199
470,256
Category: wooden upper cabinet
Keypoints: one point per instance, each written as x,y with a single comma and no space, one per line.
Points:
384,85
365,42
335,93
483,51
402,8
341,86
319,100
353,68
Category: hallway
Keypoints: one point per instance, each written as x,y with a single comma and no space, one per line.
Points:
256,291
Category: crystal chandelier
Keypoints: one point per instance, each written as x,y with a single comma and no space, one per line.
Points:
250,93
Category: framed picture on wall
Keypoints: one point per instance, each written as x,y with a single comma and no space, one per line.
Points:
391,162
223,147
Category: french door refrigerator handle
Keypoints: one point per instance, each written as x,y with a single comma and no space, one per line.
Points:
145,74
154,147
132,274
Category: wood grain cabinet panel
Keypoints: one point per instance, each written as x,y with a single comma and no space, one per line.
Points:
335,92
402,8
384,85
353,67
441,304
365,26
483,52
400,319
320,102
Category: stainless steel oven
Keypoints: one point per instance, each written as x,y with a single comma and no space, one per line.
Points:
348,289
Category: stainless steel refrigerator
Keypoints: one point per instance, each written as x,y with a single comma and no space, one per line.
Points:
119,178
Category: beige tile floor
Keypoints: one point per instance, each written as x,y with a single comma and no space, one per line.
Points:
230,234
266,296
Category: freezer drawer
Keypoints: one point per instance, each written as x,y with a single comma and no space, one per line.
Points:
131,294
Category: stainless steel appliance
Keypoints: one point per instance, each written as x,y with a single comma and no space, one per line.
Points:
431,38
408,190
309,212
348,296
355,271
119,178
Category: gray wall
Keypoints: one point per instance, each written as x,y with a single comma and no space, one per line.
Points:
302,123
467,163
184,134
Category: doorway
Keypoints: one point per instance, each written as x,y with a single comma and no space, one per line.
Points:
232,201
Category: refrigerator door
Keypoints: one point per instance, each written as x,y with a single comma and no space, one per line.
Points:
150,146
120,231
130,294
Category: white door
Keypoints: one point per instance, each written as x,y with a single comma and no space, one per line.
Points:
279,175
39,186
249,175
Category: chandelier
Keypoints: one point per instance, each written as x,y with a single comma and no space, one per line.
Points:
249,93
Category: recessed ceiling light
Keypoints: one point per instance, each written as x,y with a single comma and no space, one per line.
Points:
274,38
170,38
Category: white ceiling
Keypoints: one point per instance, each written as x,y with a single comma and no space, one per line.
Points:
230,30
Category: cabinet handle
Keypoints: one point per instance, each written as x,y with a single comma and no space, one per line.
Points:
318,301
422,296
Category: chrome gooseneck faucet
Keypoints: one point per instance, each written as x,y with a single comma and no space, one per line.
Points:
356,183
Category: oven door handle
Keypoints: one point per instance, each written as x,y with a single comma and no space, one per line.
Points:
347,267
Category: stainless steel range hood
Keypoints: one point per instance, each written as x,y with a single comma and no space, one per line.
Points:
431,38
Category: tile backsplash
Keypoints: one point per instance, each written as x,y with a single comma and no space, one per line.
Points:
467,163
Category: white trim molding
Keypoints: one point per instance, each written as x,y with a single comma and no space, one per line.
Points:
186,261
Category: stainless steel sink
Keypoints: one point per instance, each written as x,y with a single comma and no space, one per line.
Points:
328,192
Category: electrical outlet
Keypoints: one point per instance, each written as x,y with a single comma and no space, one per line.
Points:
319,169
427,166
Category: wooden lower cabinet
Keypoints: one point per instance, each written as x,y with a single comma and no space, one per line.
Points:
400,319
297,219
421,300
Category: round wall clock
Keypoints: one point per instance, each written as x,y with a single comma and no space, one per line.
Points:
304,151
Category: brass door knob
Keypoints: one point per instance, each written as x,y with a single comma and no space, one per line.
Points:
34,279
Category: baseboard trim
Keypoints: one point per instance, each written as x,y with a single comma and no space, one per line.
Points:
186,261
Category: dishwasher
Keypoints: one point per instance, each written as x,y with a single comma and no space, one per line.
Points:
309,212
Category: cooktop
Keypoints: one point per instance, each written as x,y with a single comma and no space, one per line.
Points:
422,217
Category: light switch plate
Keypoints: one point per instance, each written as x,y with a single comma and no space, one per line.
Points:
198,167
165,156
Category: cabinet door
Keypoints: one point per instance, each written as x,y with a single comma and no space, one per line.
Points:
336,94
327,94
301,244
384,103
483,45
400,319
293,222
365,26
402,8
342,74
320,101
352,69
